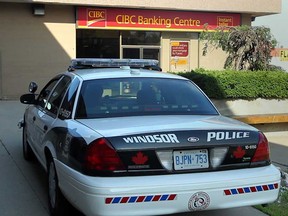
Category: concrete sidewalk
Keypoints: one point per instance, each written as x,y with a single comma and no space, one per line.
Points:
279,148
23,184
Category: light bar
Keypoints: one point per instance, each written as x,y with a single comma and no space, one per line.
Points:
80,63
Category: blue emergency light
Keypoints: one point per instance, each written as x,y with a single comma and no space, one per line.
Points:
84,63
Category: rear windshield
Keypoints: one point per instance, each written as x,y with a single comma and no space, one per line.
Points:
141,96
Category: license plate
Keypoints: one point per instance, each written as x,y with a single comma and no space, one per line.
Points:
191,159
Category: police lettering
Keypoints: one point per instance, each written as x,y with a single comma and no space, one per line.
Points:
221,135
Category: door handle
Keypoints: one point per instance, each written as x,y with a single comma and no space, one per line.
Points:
34,118
45,128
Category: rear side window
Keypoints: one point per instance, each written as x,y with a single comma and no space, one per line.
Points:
68,101
141,96
44,94
57,95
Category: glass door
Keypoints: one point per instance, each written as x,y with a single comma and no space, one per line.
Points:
141,53
131,53
151,53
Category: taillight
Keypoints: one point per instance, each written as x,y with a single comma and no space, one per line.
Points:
262,152
101,156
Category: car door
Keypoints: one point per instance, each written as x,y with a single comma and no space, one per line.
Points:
48,105
36,113
51,111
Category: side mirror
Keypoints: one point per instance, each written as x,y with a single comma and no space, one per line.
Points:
28,99
33,87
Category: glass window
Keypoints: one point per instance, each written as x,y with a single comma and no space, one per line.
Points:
68,101
151,53
57,95
97,44
132,53
44,94
141,38
141,96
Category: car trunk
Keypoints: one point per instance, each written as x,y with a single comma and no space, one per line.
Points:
173,144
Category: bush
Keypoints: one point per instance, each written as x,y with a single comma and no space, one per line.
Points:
241,84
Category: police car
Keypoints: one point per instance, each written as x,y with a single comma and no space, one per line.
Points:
118,138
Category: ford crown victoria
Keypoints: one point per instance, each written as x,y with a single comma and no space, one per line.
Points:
118,138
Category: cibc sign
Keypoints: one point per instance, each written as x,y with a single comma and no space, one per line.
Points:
96,18
137,19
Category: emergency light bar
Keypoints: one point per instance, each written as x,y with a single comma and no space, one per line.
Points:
84,63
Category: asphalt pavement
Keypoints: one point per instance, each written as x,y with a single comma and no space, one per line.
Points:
23,185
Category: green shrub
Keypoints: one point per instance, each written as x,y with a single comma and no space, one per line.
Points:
241,84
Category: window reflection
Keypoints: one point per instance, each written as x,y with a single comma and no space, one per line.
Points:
98,44
140,38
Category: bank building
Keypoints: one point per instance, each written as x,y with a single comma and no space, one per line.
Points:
38,38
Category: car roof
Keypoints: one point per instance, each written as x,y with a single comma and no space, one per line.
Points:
99,68
125,71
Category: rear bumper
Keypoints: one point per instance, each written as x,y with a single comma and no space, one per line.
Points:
167,194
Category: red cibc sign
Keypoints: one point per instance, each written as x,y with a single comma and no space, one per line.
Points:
136,19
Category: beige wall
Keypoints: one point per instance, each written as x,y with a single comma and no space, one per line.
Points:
166,59
213,60
246,19
33,47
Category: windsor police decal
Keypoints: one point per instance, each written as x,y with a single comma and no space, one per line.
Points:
199,201
155,138
227,135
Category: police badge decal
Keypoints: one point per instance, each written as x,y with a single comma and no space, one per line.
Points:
199,201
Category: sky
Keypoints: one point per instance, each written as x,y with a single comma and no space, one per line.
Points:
278,26
277,23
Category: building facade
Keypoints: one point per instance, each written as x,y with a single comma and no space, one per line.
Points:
38,38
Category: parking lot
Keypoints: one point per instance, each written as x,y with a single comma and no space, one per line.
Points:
23,184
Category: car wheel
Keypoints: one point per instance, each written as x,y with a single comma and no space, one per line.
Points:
56,201
27,151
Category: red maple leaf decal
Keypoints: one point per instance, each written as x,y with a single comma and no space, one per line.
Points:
140,158
239,153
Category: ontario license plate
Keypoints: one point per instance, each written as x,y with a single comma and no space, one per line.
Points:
191,159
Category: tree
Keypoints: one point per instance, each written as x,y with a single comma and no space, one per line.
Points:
248,47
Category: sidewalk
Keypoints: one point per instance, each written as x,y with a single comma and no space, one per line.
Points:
17,197
280,138
21,184
279,148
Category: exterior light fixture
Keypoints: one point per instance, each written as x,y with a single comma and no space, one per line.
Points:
38,9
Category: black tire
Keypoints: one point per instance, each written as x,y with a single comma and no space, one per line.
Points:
28,153
56,201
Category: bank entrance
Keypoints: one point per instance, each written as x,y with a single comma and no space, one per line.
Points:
93,43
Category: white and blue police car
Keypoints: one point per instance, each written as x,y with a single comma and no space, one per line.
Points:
118,138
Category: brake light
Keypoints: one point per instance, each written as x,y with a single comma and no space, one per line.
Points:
262,152
101,156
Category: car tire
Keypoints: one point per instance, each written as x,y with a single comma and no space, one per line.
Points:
27,151
56,201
